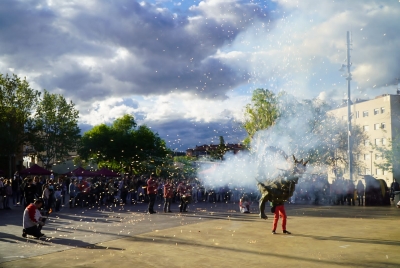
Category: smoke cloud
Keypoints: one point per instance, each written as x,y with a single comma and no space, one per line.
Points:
272,149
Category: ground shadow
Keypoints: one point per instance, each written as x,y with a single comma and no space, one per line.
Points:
52,241
172,241
353,239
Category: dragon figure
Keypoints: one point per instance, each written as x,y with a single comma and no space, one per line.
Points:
281,188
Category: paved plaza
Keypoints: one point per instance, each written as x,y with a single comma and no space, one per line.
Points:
209,235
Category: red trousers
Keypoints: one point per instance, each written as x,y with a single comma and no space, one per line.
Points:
279,211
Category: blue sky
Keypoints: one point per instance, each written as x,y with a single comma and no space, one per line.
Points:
188,68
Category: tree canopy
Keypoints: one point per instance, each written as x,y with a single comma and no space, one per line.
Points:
17,102
312,131
261,113
54,131
124,147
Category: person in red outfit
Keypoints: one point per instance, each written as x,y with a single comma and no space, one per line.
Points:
168,195
185,193
152,186
279,211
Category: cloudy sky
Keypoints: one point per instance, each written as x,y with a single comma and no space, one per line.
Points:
187,68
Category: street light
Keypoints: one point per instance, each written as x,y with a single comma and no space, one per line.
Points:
349,128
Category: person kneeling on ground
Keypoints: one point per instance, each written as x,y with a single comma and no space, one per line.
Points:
244,204
32,220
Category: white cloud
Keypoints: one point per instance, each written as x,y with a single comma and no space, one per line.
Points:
188,66
168,107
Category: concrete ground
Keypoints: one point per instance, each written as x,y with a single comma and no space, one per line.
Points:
209,235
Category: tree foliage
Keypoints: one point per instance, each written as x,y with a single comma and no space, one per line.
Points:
389,155
219,152
261,113
185,166
308,126
54,131
124,147
17,102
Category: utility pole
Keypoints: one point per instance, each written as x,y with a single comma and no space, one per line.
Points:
349,137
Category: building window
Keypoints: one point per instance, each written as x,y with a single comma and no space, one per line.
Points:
365,114
376,111
385,172
366,128
383,141
379,171
383,126
378,156
377,126
378,141
358,114
367,156
366,142
367,171
382,110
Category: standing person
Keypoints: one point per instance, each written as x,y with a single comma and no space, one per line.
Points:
32,220
360,193
29,192
73,191
133,189
394,187
7,193
84,189
46,196
63,187
184,195
195,192
58,197
152,186
38,185
16,188
278,208
124,188
111,192
350,193
168,195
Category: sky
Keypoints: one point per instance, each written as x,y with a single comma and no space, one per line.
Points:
188,68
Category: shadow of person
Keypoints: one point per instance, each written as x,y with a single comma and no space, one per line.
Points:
53,241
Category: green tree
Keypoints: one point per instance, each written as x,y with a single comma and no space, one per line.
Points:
17,102
261,113
184,166
54,131
219,152
390,156
323,137
124,147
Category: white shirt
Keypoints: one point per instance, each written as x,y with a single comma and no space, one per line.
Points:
27,221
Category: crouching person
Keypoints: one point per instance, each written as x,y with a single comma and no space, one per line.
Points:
244,204
32,220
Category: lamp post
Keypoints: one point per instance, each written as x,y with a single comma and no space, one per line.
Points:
349,128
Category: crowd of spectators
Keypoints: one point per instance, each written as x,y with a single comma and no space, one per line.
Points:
62,192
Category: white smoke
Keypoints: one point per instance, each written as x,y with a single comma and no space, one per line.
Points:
291,135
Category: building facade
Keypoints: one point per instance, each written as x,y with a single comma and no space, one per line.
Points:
379,118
